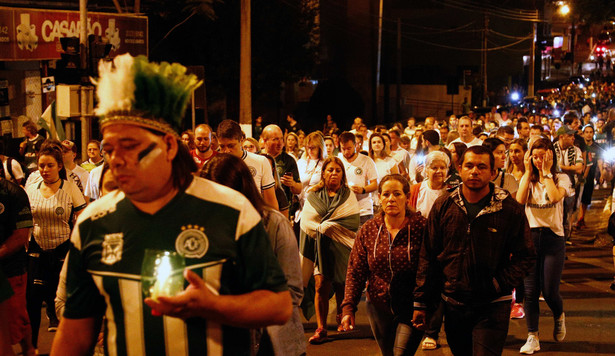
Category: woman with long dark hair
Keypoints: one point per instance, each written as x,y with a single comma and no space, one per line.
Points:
329,221
542,189
232,172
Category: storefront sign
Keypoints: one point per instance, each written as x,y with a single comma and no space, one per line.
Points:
34,34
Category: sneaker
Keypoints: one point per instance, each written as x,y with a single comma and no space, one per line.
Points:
429,344
53,325
517,311
320,336
531,345
559,328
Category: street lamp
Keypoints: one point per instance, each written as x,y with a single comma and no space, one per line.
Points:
564,9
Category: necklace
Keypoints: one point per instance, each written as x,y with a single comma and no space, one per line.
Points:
52,183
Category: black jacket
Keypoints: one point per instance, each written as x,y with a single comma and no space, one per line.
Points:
473,262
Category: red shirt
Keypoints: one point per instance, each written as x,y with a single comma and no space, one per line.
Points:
198,160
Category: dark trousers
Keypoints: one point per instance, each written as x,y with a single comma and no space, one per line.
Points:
44,268
477,330
545,277
394,338
435,322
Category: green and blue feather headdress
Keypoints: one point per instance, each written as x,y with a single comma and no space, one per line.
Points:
132,90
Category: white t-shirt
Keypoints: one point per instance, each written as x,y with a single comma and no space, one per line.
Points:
359,173
310,172
261,170
475,142
510,183
542,213
401,156
51,215
427,197
383,167
15,169
35,178
82,173
92,190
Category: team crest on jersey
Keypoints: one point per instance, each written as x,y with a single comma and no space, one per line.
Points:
1,208
59,210
112,247
252,171
358,171
192,242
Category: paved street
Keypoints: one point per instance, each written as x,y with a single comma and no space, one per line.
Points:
588,302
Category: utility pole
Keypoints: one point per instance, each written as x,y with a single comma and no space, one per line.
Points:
484,60
378,62
245,70
531,78
573,33
83,90
398,103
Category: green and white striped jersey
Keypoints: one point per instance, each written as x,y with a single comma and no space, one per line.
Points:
218,232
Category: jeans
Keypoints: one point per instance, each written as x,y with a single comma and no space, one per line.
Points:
569,208
393,337
545,277
477,330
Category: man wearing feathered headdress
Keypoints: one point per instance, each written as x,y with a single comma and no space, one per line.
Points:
233,281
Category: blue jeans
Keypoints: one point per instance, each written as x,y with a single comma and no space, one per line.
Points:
545,277
393,337
477,330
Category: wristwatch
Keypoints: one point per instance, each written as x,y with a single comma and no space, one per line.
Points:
549,175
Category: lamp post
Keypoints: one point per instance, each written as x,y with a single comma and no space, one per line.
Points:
565,10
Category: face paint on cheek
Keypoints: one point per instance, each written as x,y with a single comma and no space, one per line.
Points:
147,156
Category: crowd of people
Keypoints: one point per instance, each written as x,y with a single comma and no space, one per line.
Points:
461,222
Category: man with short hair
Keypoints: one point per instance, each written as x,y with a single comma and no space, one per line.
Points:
361,174
431,142
523,128
477,248
536,131
230,138
399,154
202,145
506,134
95,157
464,127
285,164
162,209
570,161
31,144
77,173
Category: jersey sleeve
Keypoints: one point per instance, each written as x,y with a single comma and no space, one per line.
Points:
267,180
76,196
257,266
83,300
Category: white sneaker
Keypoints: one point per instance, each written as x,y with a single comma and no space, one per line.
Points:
559,328
531,345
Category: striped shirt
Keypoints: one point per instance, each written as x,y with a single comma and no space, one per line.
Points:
52,215
222,239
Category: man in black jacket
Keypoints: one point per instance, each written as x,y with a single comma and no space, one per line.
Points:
477,247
